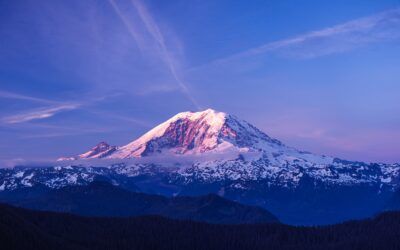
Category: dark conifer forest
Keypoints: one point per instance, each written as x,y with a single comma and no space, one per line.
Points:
27,229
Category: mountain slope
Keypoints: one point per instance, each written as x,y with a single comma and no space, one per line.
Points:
103,199
28,230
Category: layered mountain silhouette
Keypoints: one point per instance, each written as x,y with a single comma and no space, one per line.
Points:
101,198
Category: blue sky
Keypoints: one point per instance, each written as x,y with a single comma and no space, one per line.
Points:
321,76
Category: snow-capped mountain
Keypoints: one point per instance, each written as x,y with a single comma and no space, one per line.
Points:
244,153
196,133
230,157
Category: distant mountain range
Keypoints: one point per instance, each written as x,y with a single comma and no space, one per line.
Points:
197,153
103,199
22,229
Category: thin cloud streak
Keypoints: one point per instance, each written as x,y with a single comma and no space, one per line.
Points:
11,95
131,28
50,110
156,33
39,114
157,36
347,36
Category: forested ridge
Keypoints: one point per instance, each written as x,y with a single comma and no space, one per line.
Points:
28,229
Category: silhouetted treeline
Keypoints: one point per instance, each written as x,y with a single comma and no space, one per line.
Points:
27,229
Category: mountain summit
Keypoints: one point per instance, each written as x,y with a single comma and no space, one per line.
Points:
192,133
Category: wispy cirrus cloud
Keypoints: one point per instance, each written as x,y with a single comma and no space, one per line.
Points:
155,32
37,114
49,107
11,95
155,38
133,31
384,26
